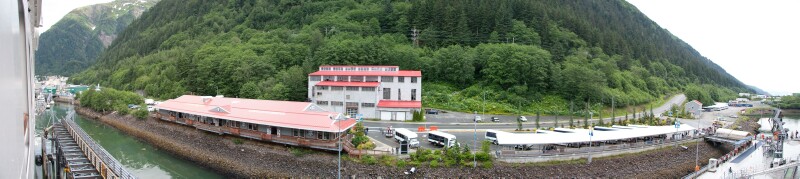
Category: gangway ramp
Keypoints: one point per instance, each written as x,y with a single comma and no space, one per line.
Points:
80,157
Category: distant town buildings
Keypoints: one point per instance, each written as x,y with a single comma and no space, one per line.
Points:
744,95
694,107
378,92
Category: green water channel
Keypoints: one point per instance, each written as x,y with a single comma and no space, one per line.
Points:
141,159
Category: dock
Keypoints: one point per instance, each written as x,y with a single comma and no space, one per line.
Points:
78,156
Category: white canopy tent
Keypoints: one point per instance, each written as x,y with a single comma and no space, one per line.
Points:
582,135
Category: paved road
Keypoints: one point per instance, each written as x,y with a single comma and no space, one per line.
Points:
507,122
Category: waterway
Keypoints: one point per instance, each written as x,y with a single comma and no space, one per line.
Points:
141,159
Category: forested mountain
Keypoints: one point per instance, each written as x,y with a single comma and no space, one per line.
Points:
74,42
523,54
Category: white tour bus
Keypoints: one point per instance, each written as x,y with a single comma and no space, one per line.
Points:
442,139
491,136
403,134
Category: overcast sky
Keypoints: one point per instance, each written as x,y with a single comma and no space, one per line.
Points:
755,41
54,10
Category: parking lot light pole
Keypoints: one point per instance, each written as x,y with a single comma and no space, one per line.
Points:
475,139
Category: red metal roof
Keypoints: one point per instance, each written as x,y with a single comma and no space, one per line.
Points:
369,73
399,104
297,115
379,66
344,83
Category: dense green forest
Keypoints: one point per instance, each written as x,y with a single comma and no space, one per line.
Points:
523,55
789,102
74,42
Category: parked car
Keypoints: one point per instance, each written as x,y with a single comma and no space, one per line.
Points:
495,119
477,118
151,109
522,118
431,111
133,106
734,116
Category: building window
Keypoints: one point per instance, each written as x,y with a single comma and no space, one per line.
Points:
367,88
352,88
298,133
401,79
367,105
322,87
336,103
319,93
399,93
387,93
322,103
252,126
316,78
414,79
371,79
342,78
328,78
357,78
337,88
413,94
347,96
387,79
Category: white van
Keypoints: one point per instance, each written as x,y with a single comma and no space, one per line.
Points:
491,136
442,139
403,134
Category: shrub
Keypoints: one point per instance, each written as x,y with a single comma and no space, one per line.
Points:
238,141
483,156
297,151
485,146
122,110
449,162
369,160
414,163
401,163
487,165
367,145
387,160
141,113
434,164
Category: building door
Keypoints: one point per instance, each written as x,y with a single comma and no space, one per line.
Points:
400,116
351,109
273,131
385,115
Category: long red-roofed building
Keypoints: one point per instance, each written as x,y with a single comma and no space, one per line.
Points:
287,122
377,92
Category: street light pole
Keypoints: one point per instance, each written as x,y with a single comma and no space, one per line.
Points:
475,139
339,129
484,103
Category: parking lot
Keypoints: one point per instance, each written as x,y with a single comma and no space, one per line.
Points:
463,137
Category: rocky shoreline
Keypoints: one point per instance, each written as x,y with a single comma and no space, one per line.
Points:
262,159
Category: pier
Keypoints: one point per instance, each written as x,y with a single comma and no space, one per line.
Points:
78,156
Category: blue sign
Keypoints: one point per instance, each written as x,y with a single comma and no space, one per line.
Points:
591,131
670,113
360,117
677,124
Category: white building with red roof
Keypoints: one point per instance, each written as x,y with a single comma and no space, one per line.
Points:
286,122
694,107
378,92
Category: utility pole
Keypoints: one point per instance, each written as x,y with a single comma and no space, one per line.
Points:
613,117
475,140
414,38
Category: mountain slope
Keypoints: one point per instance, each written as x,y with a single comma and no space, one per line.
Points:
527,55
75,41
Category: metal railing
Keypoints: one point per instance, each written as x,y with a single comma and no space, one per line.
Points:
106,164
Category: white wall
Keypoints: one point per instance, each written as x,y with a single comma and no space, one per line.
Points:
16,93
